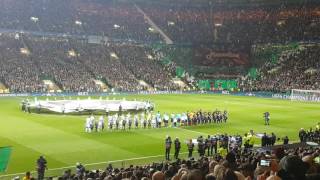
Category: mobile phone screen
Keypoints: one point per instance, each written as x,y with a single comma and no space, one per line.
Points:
264,162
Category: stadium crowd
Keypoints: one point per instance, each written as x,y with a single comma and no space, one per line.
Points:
143,64
16,70
219,159
239,25
296,69
74,65
225,28
77,17
204,23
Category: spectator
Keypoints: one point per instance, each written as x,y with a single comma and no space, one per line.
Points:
27,176
41,167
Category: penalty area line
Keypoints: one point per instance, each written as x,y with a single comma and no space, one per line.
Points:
91,164
198,132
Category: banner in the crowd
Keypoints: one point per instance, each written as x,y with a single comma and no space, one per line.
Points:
180,72
210,57
5,153
221,84
253,73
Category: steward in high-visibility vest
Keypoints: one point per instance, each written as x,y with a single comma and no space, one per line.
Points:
251,141
246,141
222,151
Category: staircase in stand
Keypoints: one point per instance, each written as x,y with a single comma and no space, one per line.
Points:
3,88
51,86
179,83
145,85
102,85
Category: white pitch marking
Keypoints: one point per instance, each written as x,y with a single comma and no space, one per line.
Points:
192,131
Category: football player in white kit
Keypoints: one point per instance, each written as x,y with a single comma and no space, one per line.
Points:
184,119
136,121
123,122
91,122
116,121
110,122
101,124
175,121
129,121
142,119
87,125
154,121
166,119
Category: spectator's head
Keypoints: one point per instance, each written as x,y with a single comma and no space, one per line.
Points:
212,164
28,174
219,171
210,177
273,177
229,175
309,161
195,175
231,158
292,167
279,153
239,175
247,169
158,176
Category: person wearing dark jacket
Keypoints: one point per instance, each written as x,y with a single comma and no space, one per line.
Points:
168,143
264,140
41,167
177,147
190,148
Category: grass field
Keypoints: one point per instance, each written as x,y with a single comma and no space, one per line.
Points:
62,140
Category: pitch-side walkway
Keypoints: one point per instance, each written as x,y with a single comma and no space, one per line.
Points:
89,164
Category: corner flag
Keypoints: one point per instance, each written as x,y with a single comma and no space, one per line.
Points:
4,158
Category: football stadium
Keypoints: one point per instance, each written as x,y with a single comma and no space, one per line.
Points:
160,89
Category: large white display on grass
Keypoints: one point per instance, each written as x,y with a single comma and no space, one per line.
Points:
305,95
70,106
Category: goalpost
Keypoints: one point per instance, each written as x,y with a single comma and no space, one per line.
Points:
305,95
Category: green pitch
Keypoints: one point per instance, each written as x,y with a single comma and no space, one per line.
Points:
62,140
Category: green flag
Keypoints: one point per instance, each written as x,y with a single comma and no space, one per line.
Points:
4,158
179,72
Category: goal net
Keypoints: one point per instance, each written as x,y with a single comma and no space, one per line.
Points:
305,95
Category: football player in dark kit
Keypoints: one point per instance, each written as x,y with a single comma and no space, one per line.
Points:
124,124
168,143
24,105
177,147
130,124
